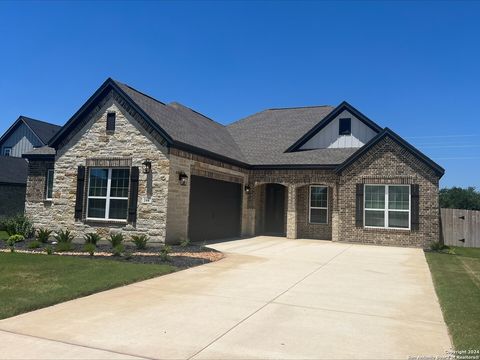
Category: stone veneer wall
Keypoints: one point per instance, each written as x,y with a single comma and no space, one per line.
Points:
389,163
130,141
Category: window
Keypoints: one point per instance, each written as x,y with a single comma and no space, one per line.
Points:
345,126
49,192
7,151
108,194
318,211
111,122
387,206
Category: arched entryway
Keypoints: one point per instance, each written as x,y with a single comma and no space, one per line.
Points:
271,209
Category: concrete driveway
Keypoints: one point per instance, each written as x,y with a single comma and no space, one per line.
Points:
270,298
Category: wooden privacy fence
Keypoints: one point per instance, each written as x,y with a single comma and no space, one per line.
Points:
460,227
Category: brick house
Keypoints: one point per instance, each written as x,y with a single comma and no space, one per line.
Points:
127,162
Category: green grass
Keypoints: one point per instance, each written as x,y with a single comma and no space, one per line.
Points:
3,235
29,282
457,282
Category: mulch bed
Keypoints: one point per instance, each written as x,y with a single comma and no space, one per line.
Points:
180,256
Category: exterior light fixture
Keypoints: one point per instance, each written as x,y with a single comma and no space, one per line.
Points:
182,178
147,166
247,188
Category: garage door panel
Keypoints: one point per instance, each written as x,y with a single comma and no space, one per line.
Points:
215,209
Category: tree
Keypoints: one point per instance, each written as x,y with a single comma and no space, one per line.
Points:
459,198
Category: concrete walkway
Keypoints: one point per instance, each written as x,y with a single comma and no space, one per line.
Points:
270,298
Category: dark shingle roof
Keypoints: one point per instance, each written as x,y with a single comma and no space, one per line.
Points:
40,151
264,137
13,170
42,129
187,126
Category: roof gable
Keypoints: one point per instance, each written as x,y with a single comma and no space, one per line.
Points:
344,106
392,135
42,130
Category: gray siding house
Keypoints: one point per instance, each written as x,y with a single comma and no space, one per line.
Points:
23,136
130,163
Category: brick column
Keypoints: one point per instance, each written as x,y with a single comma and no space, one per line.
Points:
335,215
292,212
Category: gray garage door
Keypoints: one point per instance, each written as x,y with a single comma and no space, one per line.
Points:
215,209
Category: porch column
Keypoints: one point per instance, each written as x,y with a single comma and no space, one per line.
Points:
292,212
335,213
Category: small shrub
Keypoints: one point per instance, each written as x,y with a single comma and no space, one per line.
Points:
165,253
63,246
43,235
116,239
436,246
49,249
90,248
34,244
184,242
64,236
92,238
12,240
118,250
140,241
20,225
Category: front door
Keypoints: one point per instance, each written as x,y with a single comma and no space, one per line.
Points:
275,209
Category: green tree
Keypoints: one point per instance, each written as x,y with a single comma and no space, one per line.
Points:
459,198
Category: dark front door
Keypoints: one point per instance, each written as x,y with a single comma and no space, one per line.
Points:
215,209
275,209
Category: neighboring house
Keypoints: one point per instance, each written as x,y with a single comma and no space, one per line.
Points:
26,134
127,162
13,179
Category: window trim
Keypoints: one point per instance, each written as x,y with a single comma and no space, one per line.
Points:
310,207
50,173
340,126
107,197
386,209
9,148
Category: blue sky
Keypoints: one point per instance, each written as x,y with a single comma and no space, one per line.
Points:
411,66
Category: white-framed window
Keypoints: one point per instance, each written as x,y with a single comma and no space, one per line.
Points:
7,151
49,187
387,206
318,204
107,196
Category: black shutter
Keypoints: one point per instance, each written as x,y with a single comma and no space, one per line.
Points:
80,189
133,198
359,206
415,207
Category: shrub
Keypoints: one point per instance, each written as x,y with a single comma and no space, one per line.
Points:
34,244
64,236
165,253
12,240
90,248
20,225
118,249
49,249
43,235
63,246
92,238
116,239
436,246
184,242
140,241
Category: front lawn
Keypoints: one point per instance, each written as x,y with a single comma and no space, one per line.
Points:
29,282
456,276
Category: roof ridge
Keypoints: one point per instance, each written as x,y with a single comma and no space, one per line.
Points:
142,93
300,107
42,121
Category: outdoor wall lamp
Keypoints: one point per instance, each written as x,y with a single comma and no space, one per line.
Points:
147,166
182,178
247,188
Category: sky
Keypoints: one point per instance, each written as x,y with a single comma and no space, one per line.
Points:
411,66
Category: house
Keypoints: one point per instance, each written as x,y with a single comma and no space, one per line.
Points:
21,137
128,162
24,135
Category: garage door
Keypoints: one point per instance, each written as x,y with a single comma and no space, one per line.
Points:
215,209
